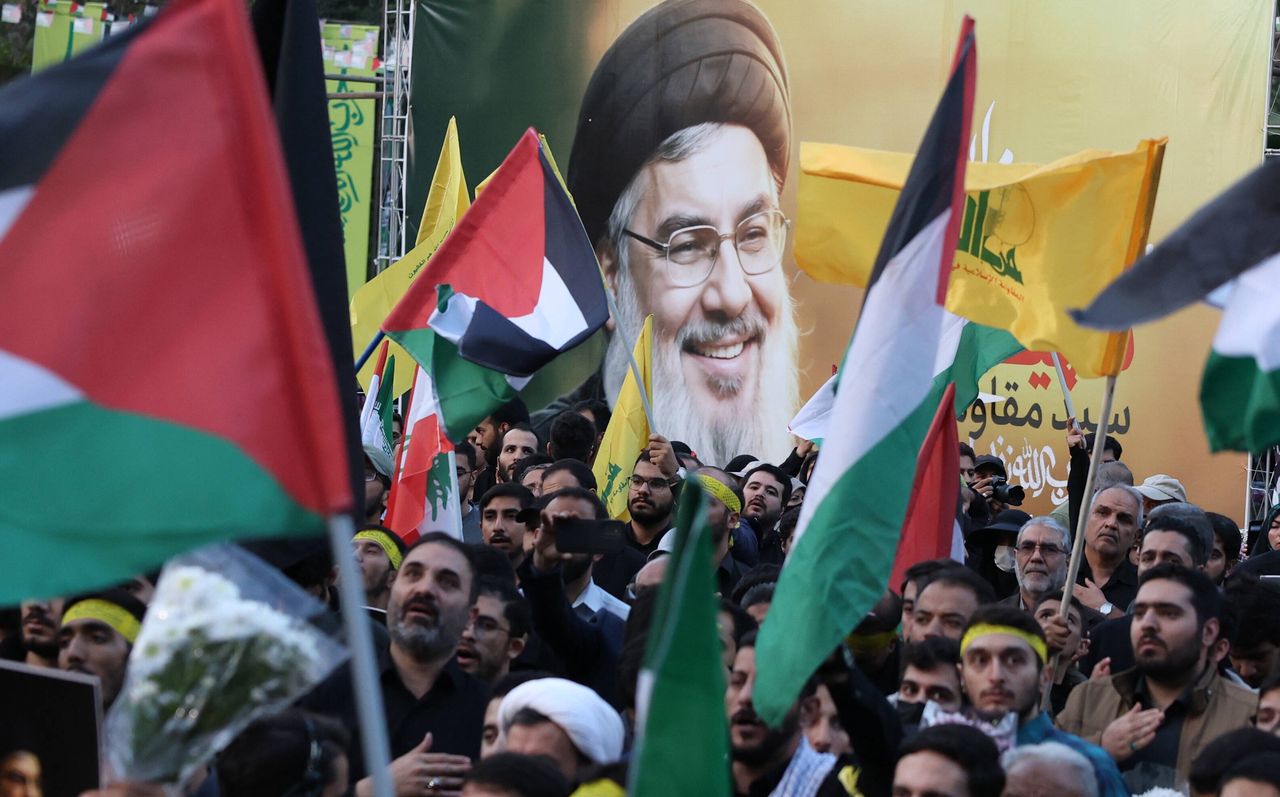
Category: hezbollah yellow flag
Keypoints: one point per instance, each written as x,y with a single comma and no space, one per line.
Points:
446,202
628,431
1035,239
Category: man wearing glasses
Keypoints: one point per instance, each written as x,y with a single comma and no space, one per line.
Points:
677,167
1040,562
651,503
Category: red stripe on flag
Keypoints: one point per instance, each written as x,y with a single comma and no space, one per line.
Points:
496,250
184,293
931,513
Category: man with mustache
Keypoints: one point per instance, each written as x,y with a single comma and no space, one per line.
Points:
434,710
1003,654
677,169
1164,712
40,622
651,502
97,635
497,631
500,508
1175,534
1108,580
1040,553
589,646
518,442
486,438
766,490
780,760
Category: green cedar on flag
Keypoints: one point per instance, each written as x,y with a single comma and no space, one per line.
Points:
514,285
166,381
375,428
424,491
682,749
1234,241
903,348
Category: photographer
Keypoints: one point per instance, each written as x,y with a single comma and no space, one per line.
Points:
991,481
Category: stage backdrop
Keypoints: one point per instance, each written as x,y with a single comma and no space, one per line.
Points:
1053,79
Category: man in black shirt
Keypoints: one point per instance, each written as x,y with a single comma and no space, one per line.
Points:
1108,581
424,691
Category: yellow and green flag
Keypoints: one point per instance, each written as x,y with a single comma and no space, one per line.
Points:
1034,241
628,430
446,202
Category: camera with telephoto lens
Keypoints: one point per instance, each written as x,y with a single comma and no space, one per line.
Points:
1005,493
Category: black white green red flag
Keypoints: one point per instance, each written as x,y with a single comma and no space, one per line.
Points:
166,380
515,285
897,368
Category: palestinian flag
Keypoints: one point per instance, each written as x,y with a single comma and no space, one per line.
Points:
930,529
424,491
893,378
166,381
1234,239
514,285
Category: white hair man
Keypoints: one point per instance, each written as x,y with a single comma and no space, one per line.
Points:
1047,768
677,168
1041,552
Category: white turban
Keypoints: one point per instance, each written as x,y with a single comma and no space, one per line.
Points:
589,722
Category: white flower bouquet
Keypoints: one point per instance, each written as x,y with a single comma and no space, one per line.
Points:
225,640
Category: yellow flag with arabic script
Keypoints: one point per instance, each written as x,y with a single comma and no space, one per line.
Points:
1035,240
446,202
628,431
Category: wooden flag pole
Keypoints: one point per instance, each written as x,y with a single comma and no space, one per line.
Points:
1062,383
1077,544
631,360
364,669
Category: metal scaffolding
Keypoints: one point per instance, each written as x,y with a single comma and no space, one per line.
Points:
393,158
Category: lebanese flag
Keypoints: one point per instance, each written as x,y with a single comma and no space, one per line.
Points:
515,285
424,493
166,381
895,373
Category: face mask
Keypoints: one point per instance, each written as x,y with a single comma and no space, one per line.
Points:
910,713
1004,558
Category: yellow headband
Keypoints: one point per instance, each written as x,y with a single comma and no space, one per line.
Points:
114,615
870,643
721,491
384,542
983,629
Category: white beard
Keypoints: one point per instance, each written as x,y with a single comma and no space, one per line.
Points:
750,419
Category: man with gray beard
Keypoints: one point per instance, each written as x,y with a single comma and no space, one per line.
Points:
1040,553
435,711
677,167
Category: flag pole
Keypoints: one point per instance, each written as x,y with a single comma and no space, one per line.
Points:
1077,544
1062,383
368,350
631,360
364,671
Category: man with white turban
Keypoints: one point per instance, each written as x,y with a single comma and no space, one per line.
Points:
562,720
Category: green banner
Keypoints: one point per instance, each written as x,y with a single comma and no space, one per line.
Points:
64,29
353,50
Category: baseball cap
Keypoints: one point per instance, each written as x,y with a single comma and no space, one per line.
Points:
992,462
1162,487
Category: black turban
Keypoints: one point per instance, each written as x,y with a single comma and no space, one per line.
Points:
682,63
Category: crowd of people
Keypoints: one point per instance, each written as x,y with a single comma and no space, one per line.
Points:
509,667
